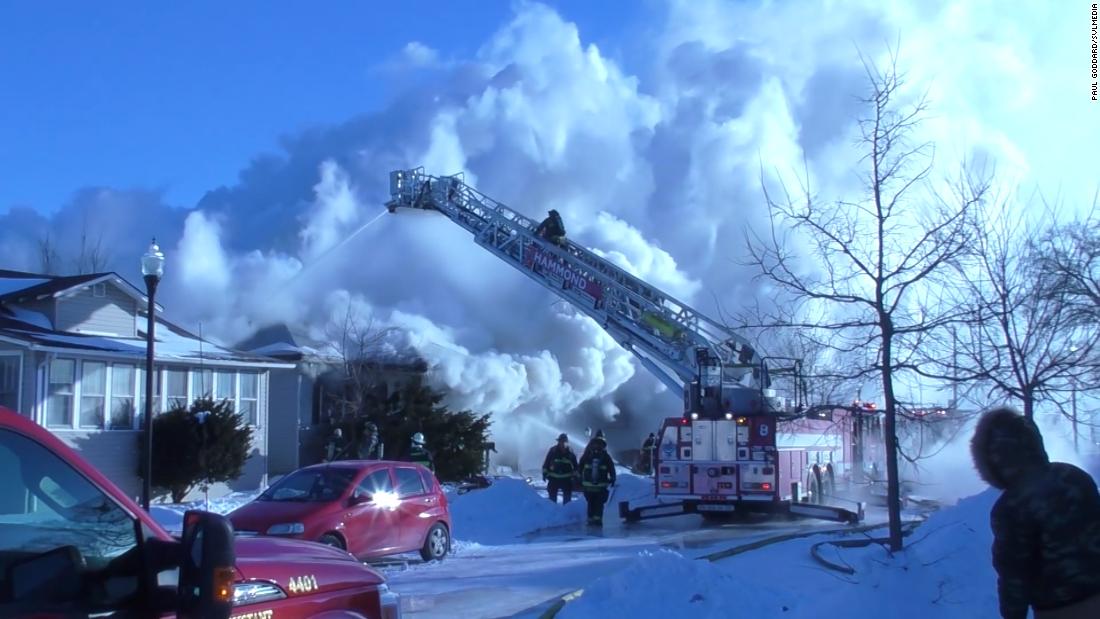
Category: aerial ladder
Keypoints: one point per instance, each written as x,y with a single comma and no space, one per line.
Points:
720,454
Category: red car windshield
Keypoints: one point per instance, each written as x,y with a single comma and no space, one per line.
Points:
310,485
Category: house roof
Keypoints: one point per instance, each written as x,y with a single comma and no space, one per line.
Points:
23,326
283,341
172,344
21,286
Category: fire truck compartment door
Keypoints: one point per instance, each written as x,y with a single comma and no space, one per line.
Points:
725,441
702,441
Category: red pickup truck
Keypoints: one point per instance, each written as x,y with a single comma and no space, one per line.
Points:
73,546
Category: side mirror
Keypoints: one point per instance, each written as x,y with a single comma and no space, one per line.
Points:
359,499
206,567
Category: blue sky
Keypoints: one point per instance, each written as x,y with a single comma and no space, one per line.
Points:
179,96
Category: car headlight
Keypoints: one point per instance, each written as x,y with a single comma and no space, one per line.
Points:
256,592
286,528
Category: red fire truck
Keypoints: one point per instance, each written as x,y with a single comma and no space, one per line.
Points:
724,451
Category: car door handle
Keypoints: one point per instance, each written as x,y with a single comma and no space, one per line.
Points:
429,501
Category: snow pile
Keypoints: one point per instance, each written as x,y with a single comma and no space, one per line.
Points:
170,515
945,571
508,509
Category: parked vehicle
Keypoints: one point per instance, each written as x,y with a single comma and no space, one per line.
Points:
73,545
369,508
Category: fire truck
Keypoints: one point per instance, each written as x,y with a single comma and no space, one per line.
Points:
736,445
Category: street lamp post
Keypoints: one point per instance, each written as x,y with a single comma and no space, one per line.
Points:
152,268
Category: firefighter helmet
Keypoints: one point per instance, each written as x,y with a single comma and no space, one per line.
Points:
418,439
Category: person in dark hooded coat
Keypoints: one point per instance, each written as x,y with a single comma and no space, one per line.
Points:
1046,523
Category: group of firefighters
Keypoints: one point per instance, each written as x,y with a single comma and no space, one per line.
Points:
593,474
369,447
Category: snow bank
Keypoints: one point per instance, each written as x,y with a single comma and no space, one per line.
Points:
944,571
170,515
508,509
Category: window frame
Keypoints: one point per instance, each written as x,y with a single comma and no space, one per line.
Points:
17,354
102,396
254,421
73,394
133,396
415,474
142,533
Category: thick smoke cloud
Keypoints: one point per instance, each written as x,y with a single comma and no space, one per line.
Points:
654,159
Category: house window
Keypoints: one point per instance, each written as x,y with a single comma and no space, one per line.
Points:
225,386
249,402
123,379
202,383
93,393
158,377
176,388
59,397
99,290
10,376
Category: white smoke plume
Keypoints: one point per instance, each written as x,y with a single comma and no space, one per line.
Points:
652,153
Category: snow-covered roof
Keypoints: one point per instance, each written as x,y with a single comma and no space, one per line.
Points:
172,344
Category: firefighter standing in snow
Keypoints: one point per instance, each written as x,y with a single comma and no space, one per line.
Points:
558,470
597,475
419,454
1046,523
646,457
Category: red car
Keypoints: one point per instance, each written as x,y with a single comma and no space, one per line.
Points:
72,544
366,507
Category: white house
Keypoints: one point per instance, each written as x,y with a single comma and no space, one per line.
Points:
72,357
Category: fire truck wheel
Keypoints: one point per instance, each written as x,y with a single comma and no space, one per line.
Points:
333,540
437,544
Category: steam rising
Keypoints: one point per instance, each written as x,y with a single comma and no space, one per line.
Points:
653,160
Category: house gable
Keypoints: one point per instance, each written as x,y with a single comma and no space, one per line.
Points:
97,308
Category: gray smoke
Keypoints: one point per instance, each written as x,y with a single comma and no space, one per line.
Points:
653,158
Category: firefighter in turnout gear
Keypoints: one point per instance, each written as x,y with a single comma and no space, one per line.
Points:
552,228
419,454
597,475
1046,523
558,470
647,456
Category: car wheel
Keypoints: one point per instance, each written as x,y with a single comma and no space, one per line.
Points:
437,544
334,540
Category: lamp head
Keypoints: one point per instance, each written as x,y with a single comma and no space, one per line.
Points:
152,263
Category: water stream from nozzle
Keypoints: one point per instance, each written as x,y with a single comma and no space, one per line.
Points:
331,250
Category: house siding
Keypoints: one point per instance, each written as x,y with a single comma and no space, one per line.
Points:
291,400
113,313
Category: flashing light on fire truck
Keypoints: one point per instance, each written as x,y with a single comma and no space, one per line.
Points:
729,415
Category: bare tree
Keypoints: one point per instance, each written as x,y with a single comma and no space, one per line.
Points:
878,257
1069,258
47,255
360,345
1030,329
91,258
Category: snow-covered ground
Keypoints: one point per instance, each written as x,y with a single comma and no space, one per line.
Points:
170,515
516,553
944,571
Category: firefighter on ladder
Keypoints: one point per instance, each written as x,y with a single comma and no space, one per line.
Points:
552,228
597,475
558,470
